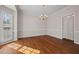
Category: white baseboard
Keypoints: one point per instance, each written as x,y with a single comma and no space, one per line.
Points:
2,43
76,42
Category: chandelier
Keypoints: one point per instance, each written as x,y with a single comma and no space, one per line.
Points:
43,16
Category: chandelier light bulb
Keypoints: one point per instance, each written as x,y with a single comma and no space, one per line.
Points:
43,16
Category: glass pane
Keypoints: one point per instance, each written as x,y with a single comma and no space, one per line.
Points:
6,17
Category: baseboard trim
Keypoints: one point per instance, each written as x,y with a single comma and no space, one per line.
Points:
76,43
3,43
54,37
32,36
40,36
68,39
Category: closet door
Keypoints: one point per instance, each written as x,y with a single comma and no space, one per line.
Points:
68,27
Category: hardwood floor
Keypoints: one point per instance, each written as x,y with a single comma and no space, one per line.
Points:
46,45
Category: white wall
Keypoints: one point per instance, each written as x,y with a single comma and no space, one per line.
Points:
54,23
54,26
29,25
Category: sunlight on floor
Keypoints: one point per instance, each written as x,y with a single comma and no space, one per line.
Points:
29,50
14,45
23,49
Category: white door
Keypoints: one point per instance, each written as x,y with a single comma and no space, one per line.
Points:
68,27
6,25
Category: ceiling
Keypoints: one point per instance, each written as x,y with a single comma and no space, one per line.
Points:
36,10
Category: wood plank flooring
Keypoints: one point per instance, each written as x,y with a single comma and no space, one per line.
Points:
46,45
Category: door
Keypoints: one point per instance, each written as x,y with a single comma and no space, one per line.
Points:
6,25
68,27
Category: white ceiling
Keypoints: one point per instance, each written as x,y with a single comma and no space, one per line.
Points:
36,10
